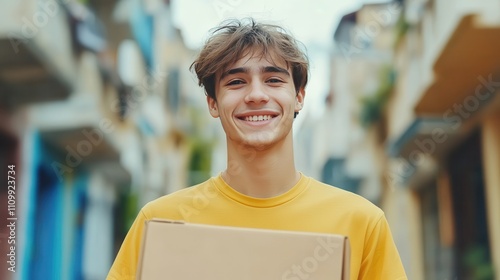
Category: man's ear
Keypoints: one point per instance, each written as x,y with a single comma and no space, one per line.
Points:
212,107
299,99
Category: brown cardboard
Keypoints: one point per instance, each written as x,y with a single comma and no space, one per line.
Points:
182,251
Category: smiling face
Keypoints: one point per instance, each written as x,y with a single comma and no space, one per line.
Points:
256,101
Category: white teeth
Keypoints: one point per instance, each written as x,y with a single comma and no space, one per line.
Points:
258,118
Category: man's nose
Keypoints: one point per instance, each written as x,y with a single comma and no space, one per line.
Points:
257,93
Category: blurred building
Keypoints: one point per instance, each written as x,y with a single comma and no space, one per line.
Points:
443,126
95,98
413,124
344,147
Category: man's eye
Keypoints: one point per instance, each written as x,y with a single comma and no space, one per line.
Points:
235,82
274,80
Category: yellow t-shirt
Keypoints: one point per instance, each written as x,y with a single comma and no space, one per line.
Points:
309,206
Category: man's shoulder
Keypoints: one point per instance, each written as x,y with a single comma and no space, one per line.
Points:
344,199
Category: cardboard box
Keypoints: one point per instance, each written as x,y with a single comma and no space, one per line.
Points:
181,251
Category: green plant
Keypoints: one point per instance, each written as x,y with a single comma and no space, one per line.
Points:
373,105
476,259
200,160
200,149
131,204
401,27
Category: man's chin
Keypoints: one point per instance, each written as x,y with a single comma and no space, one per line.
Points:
260,142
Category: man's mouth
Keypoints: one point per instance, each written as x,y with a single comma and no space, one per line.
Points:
257,118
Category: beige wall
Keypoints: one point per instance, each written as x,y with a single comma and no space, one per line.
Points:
491,159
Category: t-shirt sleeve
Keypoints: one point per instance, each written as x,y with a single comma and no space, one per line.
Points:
381,259
125,265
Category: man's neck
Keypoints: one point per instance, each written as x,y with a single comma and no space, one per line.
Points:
261,173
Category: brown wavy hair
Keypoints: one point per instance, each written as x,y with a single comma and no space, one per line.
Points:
234,38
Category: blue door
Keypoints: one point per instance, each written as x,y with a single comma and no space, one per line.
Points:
46,253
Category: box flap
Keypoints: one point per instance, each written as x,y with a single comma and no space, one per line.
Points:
181,251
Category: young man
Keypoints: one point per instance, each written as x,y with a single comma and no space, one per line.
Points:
254,76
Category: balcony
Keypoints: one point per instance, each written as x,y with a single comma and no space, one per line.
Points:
447,80
84,130
36,60
461,47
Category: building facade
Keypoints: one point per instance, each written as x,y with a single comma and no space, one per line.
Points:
93,107
412,123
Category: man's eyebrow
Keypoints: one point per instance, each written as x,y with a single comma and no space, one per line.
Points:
233,71
266,69
275,69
